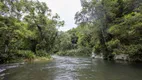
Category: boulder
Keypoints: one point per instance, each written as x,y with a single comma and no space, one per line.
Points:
121,57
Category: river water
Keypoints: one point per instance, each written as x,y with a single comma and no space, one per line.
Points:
72,68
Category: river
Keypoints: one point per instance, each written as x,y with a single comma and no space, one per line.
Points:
72,68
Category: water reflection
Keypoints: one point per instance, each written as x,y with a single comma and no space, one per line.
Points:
67,67
71,68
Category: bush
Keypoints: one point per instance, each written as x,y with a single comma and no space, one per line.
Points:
62,53
42,53
76,52
26,54
85,51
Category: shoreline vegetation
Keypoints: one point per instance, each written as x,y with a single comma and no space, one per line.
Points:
104,28
36,59
29,30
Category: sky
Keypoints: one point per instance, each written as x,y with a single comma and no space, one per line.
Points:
66,10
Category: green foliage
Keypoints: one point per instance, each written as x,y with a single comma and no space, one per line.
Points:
26,54
63,42
113,30
76,52
75,42
27,27
113,44
42,53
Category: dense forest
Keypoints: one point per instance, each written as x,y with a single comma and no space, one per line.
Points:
108,27
27,29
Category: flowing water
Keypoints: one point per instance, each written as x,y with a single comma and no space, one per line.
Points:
72,68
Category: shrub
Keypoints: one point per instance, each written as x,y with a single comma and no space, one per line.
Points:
76,52
42,53
27,54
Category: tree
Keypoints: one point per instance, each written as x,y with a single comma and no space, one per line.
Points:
113,28
26,26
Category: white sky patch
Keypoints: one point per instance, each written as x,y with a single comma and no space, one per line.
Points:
66,10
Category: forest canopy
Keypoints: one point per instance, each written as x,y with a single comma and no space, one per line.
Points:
106,27
27,29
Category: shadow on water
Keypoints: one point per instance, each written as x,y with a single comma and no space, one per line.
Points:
72,68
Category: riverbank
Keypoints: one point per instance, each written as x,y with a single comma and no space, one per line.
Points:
35,59
42,59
